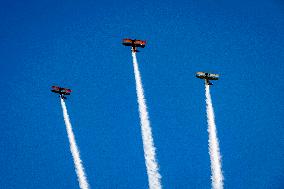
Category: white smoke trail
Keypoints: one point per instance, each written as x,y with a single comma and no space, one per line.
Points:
74,150
214,151
148,143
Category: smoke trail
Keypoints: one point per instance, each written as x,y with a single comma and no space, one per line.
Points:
148,143
74,150
214,151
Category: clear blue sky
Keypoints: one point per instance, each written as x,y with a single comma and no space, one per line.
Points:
78,45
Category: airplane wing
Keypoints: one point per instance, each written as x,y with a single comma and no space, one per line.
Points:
200,75
213,76
127,42
140,43
68,90
55,88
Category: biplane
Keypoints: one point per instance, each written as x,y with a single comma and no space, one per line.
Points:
207,77
134,43
61,91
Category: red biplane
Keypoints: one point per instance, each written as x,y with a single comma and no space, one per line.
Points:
134,43
61,91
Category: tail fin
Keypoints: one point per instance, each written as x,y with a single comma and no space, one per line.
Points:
62,96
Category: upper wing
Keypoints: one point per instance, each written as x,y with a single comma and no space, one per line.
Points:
127,42
140,43
213,76
55,88
68,90
200,75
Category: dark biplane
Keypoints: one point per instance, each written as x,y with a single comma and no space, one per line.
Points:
207,77
61,91
134,43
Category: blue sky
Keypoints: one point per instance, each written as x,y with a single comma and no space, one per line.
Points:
78,45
